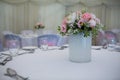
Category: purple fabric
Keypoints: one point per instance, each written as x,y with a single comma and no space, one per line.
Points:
101,39
107,37
12,39
13,44
49,39
1,46
111,37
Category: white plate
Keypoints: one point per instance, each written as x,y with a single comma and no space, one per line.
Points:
29,47
53,47
96,47
117,48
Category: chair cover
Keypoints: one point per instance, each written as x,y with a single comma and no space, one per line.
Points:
111,37
101,39
27,32
50,39
12,39
1,46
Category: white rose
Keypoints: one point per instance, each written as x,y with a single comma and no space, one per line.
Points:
71,18
93,16
92,23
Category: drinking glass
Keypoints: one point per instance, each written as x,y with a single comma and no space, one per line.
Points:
44,44
13,47
111,44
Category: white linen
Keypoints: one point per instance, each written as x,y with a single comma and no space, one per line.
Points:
55,65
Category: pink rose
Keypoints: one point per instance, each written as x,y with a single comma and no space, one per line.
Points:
92,23
86,16
80,23
63,28
64,21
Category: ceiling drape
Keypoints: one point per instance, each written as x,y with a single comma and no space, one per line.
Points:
17,15
25,15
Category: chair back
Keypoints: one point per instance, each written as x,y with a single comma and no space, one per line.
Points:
27,32
12,39
100,39
1,46
50,39
48,32
7,32
117,32
111,37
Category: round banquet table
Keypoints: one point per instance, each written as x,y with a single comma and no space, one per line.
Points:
55,65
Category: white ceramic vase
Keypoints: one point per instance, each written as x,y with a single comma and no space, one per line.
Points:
80,48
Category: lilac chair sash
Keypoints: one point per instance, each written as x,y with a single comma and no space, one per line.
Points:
12,39
50,39
1,46
111,37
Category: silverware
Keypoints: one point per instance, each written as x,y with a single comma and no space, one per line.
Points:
13,74
5,58
63,47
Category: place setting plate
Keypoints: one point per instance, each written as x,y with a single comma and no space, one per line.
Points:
29,48
96,47
117,48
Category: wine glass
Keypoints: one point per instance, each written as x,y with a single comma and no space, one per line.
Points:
13,47
44,44
111,44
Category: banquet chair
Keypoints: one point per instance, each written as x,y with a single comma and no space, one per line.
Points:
111,37
117,32
100,39
29,38
48,32
1,46
12,39
50,40
29,41
27,32
7,32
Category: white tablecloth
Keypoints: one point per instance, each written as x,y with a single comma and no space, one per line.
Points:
55,65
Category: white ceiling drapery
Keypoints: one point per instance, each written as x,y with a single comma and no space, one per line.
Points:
17,15
67,2
14,1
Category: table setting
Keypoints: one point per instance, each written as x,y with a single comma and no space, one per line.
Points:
78,60
53,63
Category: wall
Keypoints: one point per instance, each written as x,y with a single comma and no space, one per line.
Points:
113,17
108,14
18,16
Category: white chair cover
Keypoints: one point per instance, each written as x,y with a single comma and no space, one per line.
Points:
27,32
7,32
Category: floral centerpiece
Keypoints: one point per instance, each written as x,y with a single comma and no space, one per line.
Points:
39,26
80,26
80,22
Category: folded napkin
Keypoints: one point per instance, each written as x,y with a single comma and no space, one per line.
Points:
4,58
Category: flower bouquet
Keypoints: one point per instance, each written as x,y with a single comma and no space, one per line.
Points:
80,26
80,22
39,26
